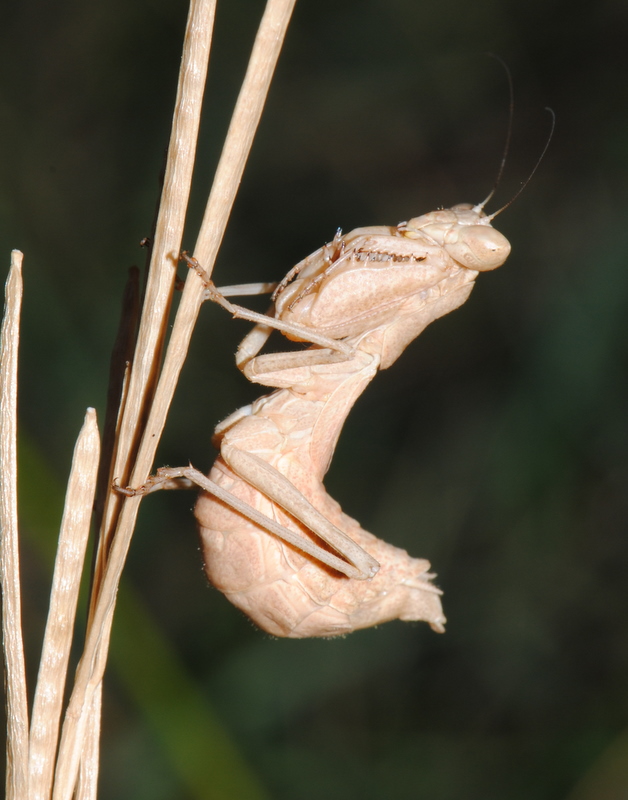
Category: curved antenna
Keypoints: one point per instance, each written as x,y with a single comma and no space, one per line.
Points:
531,175
511,113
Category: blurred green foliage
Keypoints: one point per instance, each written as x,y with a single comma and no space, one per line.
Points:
497,446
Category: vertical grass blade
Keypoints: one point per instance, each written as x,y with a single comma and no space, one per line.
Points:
165,253
66,582
17,706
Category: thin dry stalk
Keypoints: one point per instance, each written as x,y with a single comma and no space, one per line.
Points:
66,582
15,675
165,253
85,695
87,786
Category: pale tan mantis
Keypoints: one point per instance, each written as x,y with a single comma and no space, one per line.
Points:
274,542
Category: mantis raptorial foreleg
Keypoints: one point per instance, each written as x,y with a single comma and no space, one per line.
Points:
282,370
259,369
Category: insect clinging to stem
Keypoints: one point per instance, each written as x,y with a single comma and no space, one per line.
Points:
274,542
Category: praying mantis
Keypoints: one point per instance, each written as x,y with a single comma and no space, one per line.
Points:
273,541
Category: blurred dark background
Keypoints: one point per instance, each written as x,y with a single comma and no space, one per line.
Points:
497,446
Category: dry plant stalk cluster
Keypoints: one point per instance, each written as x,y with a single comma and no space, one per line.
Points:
55,755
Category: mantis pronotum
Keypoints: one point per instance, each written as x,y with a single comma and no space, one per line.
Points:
274,542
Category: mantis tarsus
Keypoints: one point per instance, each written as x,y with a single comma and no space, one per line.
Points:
274,542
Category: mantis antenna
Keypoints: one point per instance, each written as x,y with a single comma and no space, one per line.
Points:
534,169
511,113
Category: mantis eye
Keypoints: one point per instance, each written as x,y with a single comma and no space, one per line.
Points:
479,247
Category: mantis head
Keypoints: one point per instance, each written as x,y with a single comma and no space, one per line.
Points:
465,232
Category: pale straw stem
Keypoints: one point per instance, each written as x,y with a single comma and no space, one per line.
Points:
66,581
15,673
87,786
167,244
